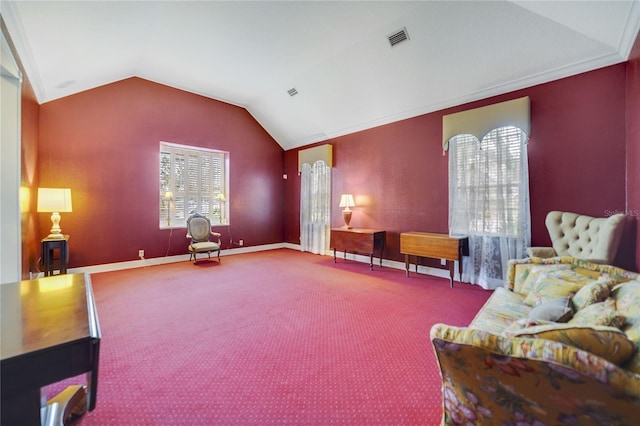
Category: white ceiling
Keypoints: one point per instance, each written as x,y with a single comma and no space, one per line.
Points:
336,54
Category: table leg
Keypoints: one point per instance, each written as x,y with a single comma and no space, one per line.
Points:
406,265
21,409
334,255
371,262
460,267
452,266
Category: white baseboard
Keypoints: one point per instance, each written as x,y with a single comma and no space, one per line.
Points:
141,263
426,270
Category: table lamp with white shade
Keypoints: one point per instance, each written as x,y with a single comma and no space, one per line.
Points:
54,200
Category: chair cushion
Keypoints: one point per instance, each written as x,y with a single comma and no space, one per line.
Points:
199,228
203,247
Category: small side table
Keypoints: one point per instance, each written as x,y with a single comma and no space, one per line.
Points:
358,241
438,246
49,260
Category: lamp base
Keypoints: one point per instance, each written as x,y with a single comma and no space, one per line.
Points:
55,237
346,215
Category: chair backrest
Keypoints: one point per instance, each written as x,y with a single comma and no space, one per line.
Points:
198,227
585,237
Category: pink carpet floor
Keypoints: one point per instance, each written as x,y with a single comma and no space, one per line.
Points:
271,338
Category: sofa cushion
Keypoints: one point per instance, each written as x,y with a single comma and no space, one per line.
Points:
609,343
601,313
627,296
557,310
525,323
499,311
596,291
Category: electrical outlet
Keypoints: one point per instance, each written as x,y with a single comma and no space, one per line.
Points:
241,242
140,253
443,262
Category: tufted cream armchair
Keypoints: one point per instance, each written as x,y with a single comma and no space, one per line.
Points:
583,237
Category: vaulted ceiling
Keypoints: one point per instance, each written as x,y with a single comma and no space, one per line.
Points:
336,55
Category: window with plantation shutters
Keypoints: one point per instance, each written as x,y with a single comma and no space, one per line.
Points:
192,180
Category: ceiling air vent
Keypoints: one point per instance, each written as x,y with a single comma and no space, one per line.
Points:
292,91
398,37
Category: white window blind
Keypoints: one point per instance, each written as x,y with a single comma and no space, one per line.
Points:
196,178
488,174
489,201
315,207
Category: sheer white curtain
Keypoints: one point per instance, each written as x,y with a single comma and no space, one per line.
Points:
489,202
315,207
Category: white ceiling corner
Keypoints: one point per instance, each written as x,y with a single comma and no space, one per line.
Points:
336,54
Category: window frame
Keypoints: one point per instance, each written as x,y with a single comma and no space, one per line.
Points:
188,194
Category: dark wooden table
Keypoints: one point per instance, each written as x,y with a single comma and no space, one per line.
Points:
51,246
438,246
50,332
358,241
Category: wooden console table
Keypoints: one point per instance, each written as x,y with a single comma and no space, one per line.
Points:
438,246
50,332
358,241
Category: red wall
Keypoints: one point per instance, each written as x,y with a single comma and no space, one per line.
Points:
400,178
633,147
104,145
397,171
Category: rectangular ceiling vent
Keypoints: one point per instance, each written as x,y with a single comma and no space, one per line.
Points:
292,91
398,37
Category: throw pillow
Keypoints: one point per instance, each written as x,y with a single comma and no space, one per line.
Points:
591,293
601,313
549,288
627,296
534,272
606,342
557,310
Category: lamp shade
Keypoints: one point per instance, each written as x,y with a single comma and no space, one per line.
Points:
54,200
346,200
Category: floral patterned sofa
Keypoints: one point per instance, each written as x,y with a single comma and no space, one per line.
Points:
557,345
